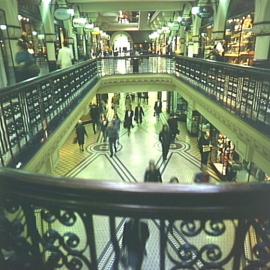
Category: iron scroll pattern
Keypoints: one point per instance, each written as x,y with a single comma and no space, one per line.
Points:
34,238
218,244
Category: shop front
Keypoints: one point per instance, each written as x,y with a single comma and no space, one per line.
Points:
225,158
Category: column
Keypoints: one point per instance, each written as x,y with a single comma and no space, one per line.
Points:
72,38
182,35
262,32
50,36
12,34
220,20
196,35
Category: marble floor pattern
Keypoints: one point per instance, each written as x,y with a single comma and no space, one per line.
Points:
128,165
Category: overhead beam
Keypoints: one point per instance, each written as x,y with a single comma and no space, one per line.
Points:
130,6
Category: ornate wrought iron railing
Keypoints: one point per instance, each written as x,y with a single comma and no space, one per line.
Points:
31,110
244,91
55,223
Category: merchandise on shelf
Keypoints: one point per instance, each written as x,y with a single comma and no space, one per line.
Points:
240,40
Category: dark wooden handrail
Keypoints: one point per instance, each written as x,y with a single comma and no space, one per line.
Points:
239,69
146,200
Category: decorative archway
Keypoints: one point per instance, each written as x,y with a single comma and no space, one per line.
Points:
121,40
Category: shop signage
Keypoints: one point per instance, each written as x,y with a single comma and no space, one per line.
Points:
79,22
61,14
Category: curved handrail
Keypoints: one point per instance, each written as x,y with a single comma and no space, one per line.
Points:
233,67
144,200
29,82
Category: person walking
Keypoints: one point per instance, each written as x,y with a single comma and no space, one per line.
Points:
165,139
145,97
173,126
94,114
65,56
152,173
204,148
139,97
128,120
27,67
139,113
117,124
135,236
112,136
158,108
103,126
81,133
128,101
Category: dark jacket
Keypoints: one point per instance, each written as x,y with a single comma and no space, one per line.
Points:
201,142
152,176
135,236
94,113
138,113
173,125
80,131
128,119
112,132
158,107
165,137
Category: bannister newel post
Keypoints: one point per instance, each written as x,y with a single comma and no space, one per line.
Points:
89,227
32,232
162,244
239,242
114,243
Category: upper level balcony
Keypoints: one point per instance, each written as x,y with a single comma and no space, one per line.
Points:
59,223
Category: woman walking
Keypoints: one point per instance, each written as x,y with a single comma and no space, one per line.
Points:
103,126
80,132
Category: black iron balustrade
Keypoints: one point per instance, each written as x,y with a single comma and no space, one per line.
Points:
31,110
244,91
52,223
141,64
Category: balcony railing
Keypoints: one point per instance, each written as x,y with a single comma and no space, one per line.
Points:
52,223
55,223
32,110
244,91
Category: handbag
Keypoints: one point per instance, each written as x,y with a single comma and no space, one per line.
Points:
206,148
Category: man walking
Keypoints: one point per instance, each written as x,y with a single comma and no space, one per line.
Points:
158,108
165,139
65,56
112,135
139,113
95,116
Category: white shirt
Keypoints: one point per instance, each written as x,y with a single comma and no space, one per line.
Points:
65,57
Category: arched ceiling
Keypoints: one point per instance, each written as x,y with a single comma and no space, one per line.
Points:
130,15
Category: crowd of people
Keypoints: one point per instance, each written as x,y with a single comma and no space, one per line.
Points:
110,132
